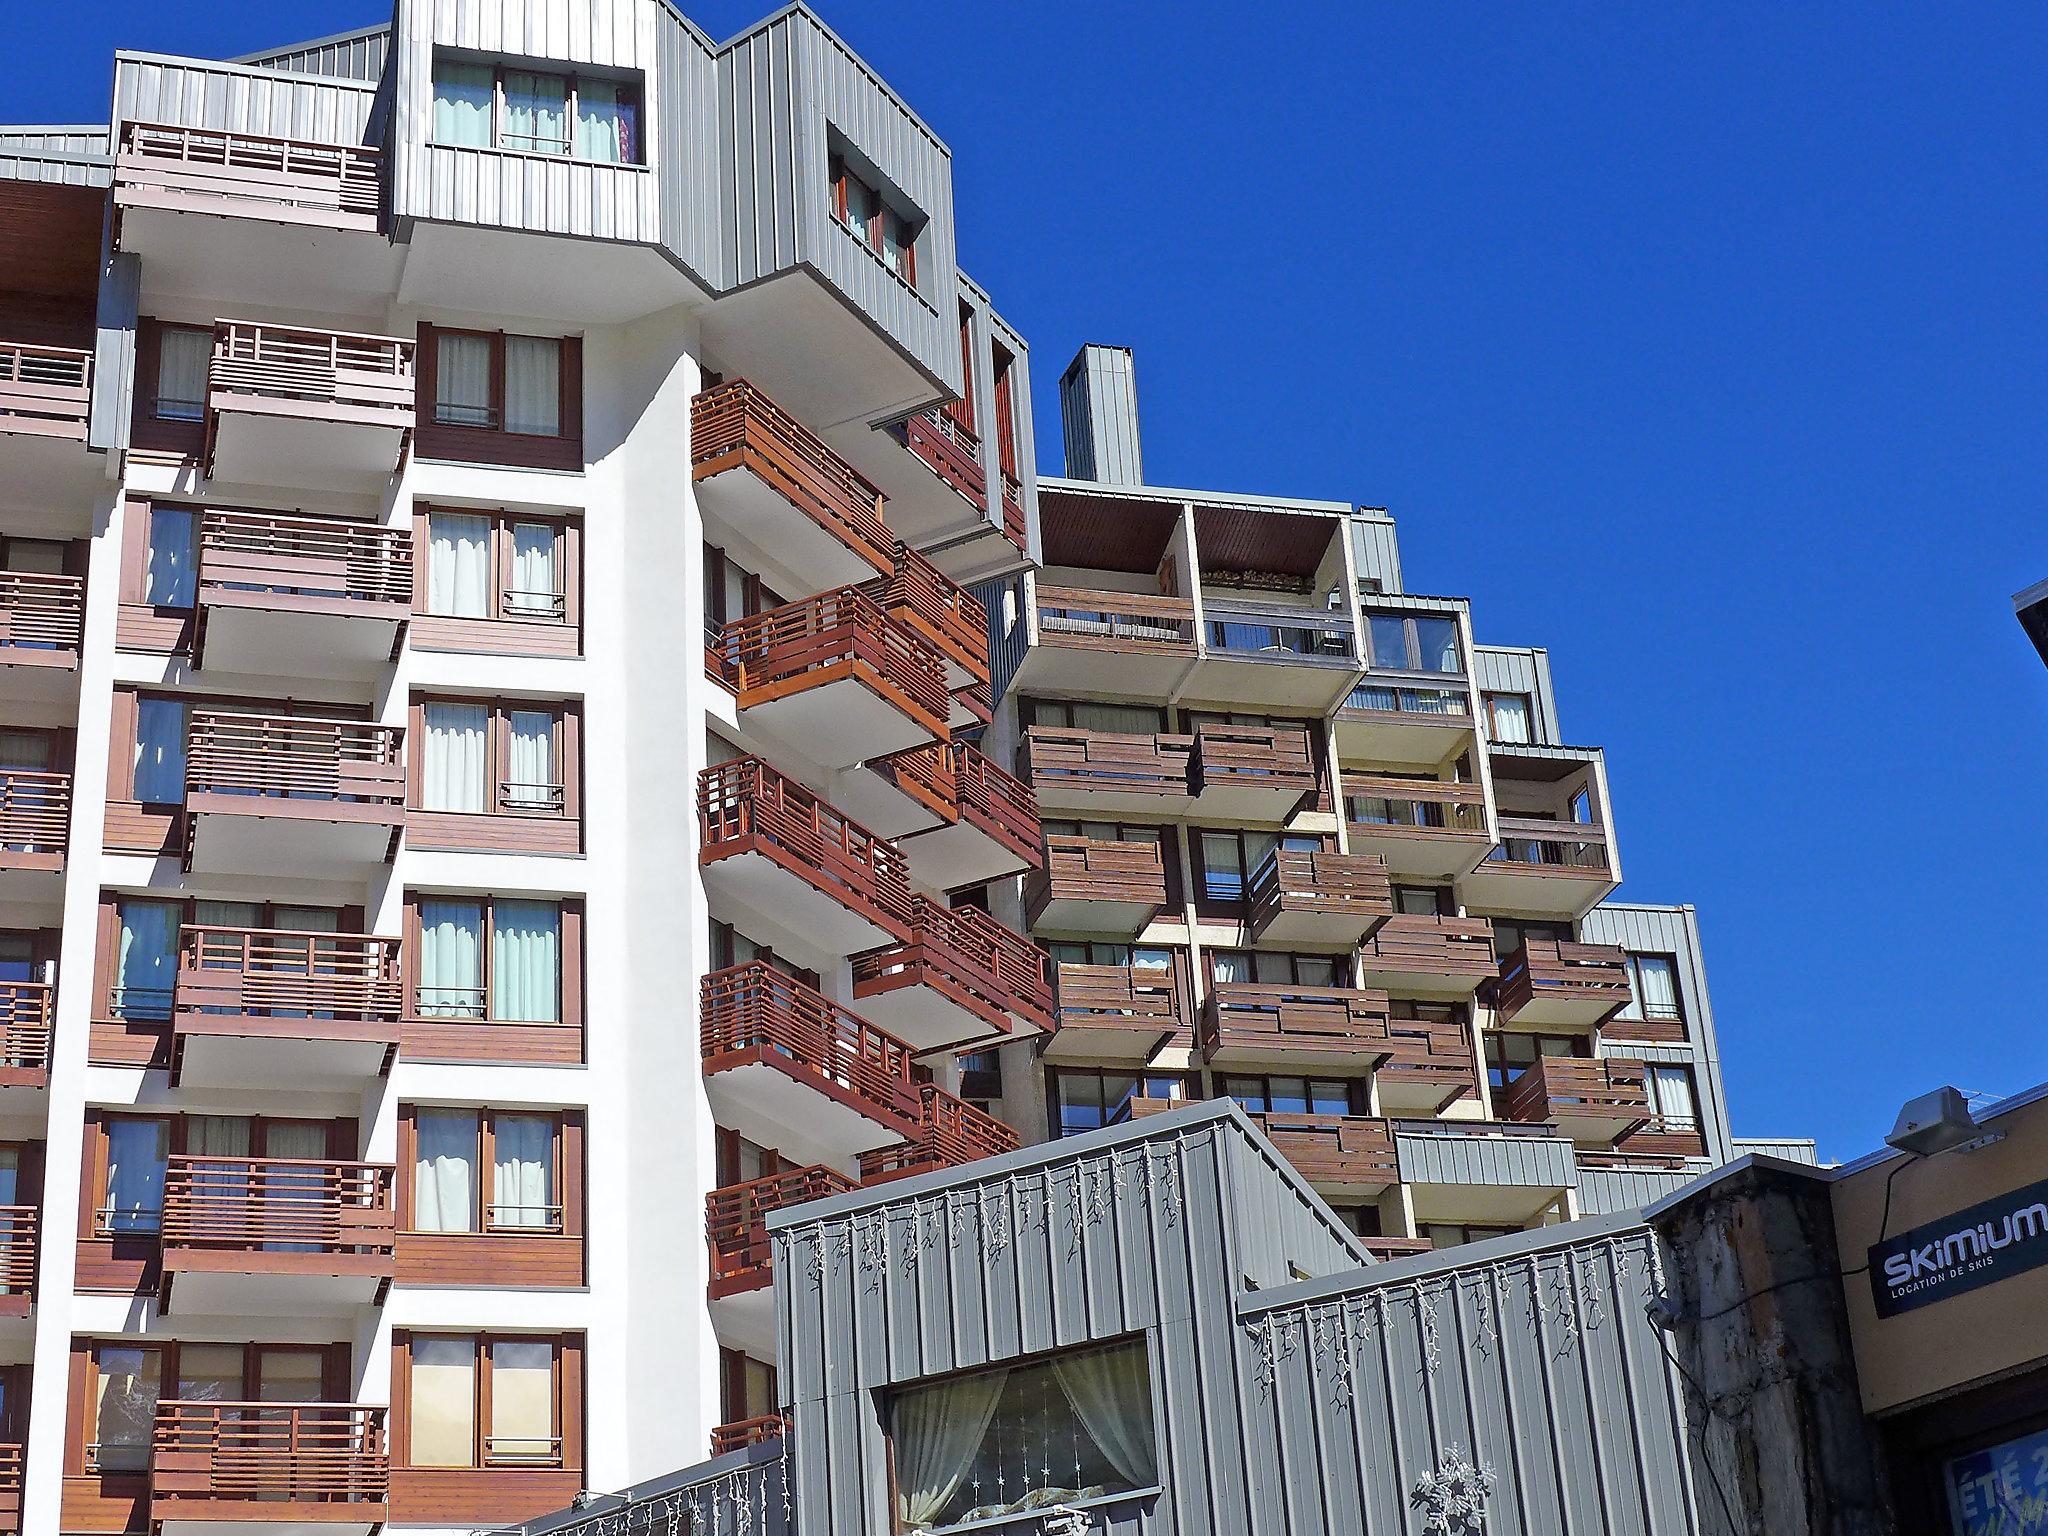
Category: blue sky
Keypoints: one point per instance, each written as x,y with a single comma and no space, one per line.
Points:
1705,347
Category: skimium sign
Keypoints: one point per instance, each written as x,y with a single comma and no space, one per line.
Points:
2001,1237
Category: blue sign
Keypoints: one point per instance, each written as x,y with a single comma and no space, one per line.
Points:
1994,1240
2002,1491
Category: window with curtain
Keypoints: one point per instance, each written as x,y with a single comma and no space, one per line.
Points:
483,565
451,978
442,1409
523,1172
184,353
537,112
1672,1098
537,588
526,961
138,1153
459,574
533,385
145,958
607,122
533,784
160,728
453,773
1295,1095
210,1373
1653,990
522,1403
171,579
984,1444
1507,716
128,1384
445,1143
463,393
869,218
465,100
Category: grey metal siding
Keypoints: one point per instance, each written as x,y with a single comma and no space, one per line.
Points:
195,93
1376,551
1521,669
1008,631
358,55
1539,1162
113,368
1099,417
1610,1191
1793,1149
69,157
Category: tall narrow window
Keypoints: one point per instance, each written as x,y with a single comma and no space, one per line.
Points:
443,1406
459,564
522,1403
533,385
160,751
462,380
124,1407
1672,1098
537,588
172,577
464,98
138,1152
536,112
184,355
526,961
444,1170
532,785
451,981
523,1172
146,959
453,771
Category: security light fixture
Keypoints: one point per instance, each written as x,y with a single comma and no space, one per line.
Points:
1936,1122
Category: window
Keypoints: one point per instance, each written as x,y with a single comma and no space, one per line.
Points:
1414,643
1274,968
1672,1098
977,1446
1088,715
145,964
496,565
1086,1098
484,1400
1360,1220
159,764
1067,952
1232,860
1509,1055
1508,717
495,758
1513,933
1653,990
1449,1235
515,978
501,398
171,575
184,354
868,217
1424,901
523,1152
1261,1095
536,112
746,1387
138,1154
127,1382
981,1079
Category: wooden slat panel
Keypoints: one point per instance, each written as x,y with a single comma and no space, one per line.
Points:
735,425
822,639
258,1460
1057,758
1597,973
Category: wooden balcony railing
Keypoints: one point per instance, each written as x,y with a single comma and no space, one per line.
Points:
1551,847
735,425
18,1231
1114,621
951,450
35,817
297,181
1595,975
825,639
950,1134
27,1014
1387,1248
10,1488
739,1435
1445,946
1258,756
297,757
1242,1020
266,1206
344,369
1098,869
735,1221
1434,1056
746,806
938,610
290,974
1565,1088
1335,1149
754,1013
331,564
1321,883
1000,804
41,613
1062,762
969,957
269,1456
1120,998
44,391
1015,526
1377,804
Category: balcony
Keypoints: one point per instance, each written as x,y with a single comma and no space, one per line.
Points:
785,1066
322,798
309,408
45,391
1546,868
929,604
994,833
1430,1065
737,1436
1251,773
770,844
1388,1249
1108,773
1351,1154
1254,1024
950,1134
308,596
1590,1099
1275,656
742,1257
949,454
10,1489
835,679
288,199
261,1008
272,1236
214,1466
1319,898
1422,722
1094,641
19,1229
1561,985
1425,829
35,821
42,630
1118,1012
28,1011
763,473
1430,956
961,979
1485,1173
1093,885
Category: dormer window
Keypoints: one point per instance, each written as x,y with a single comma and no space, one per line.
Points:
537,112
869,219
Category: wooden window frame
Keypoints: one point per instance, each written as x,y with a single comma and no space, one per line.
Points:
1580,1048
573,82
533,1257
498,630
1039,711
1232,908
1337,961
336,1386
565,1157
560,1043
726,1158
1486,703
487,1493
493,444
1411,664
1357,1090
873,232
505,826
150,435
1189,1081
732,1386
1676,1015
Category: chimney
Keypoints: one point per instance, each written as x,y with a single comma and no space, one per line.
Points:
1099,415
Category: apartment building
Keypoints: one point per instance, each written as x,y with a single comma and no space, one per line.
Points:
1312,846
489,686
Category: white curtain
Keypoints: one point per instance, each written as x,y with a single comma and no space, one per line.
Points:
1510,717
444,1171
1671,1097
536,112
1660,987
148,960
1111,1390
936,1432
536,583
462,380
172,578
453,776
522,1173
533,385
523,1399
459,565
607,123
451,983
296,1194
526,962
160,751
462,105
220,1191
530,778
183,357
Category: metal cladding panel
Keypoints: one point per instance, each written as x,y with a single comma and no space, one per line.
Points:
692,211
1008,633
1520,669
1376,551
1539,1162
113,365
348,56
23,160
1537,1367
1674,931
1099,417
1610,1191
194,93
747,1492
54,139
1795,1149
1281,1241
